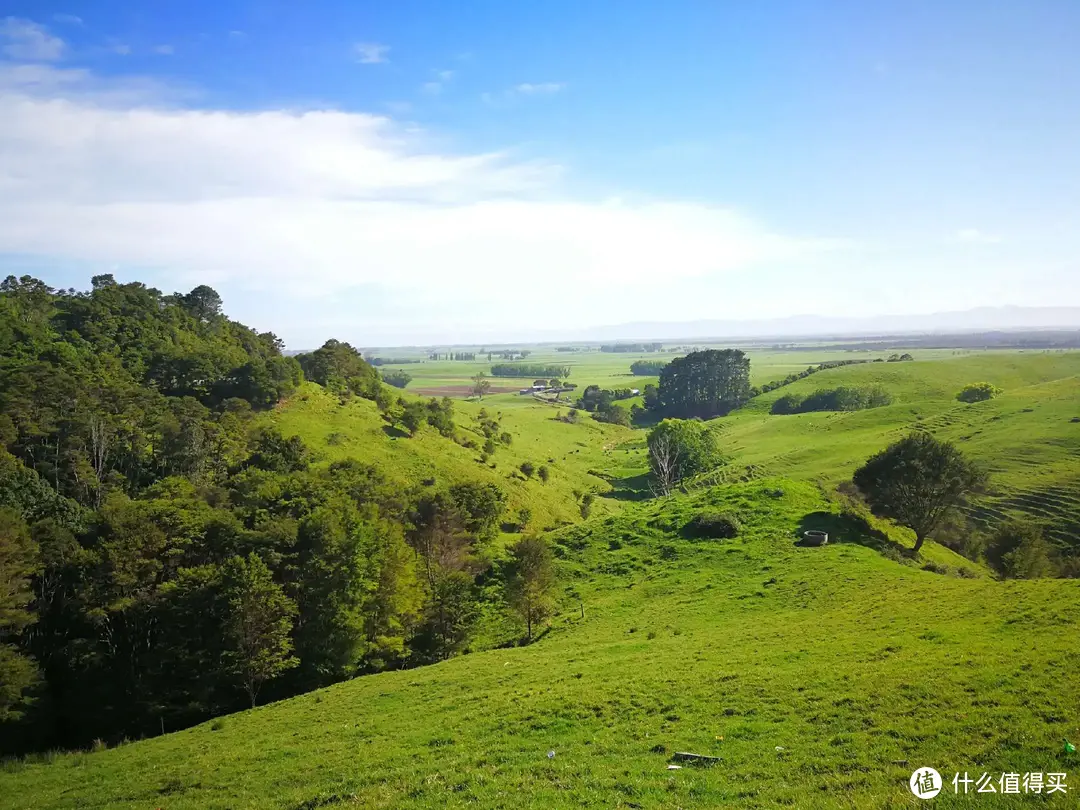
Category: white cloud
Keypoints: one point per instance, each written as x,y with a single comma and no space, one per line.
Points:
542,89
67,19
975,236
29,41
322,201
164,50
370,53
120,49
432,88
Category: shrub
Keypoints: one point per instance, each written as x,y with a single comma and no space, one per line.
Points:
978,392
714,525
524,515
544,473
586,504
527,469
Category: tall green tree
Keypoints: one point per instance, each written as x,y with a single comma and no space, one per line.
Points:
531,581
918,481
704,384
18,563
259,625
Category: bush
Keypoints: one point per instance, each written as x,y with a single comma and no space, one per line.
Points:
978,392
586,504
714,525
527,469
544,473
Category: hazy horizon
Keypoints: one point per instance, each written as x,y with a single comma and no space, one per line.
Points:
985,319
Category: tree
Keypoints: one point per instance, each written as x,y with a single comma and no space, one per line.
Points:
527,468
679,449
481,506
978,392
705,384
396,378
544,473
481,386
532,578
1018,550
203,303
918,481
260,623
413,416
18,562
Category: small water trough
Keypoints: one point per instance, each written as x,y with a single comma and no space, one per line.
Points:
815,537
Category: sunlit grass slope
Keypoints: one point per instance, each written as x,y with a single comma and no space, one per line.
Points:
1026,437
569,451
820,677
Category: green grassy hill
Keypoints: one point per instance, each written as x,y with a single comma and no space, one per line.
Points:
570,451
820,677
1026,437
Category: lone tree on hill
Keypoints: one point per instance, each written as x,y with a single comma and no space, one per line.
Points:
678,449
530,583
917,482
704,384
480,385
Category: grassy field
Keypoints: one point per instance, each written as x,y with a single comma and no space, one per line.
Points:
570,451
818,677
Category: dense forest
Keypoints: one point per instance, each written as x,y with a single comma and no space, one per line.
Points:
165,557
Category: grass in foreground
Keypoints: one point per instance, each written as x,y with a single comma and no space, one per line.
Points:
811,673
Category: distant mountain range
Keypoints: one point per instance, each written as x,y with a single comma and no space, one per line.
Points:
982,318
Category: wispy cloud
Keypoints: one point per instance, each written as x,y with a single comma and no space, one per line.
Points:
329,200
164,50
436,85
237,35
120,49
525,89
370,53
29,41
67,19
975,236
541,89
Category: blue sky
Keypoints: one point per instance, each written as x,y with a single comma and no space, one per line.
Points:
400,172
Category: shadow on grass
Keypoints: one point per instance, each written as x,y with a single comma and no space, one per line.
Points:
634,488
394,432
849,528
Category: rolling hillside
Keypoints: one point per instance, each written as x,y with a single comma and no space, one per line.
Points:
1027,437
570,451
817,677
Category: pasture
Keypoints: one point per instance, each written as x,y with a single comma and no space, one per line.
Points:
818,678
